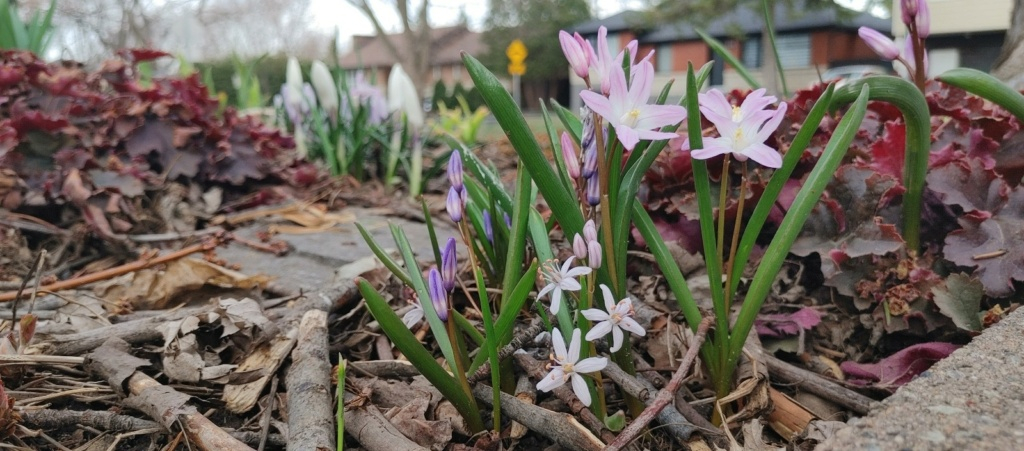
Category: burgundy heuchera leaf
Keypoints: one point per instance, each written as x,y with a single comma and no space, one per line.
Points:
899,368
783,324
992,244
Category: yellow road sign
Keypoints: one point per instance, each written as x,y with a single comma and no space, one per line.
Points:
516,52
517,68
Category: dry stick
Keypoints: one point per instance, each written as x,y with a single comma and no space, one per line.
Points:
536,370
818,385
672,421
374,431
561,428
681,405
517,342
666,394
134,332
142,263
310,420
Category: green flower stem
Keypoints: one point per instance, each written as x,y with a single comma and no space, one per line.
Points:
984,85
491,348
723,198
734,243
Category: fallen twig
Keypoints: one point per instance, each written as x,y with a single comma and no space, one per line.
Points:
517,342
373,431
52,419
167,406
813,383
679,427
664,397
310,419
561,428
143,263
134,332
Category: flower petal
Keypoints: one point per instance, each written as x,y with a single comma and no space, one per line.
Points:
616,339
574,346
590,365
579,386
769,127
579,271
569,284
623,307
627,136
764,155
597,103
640,91
710,150
657,116
609,299
599,330
558,343
556,300
412,317
594,314
632,326
554,379
547,289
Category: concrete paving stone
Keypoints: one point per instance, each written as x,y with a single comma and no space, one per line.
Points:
972,400
314,257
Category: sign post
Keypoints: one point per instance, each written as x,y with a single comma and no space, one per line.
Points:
516,53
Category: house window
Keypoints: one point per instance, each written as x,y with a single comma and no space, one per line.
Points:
794,50
751,56
663,56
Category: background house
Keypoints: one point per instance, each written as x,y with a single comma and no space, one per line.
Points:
371,55
809,42
964,33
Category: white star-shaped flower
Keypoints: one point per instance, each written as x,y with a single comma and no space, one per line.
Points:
560,279
569,366
413,316
617,317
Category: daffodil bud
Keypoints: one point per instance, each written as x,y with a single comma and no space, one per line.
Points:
438,295
325,87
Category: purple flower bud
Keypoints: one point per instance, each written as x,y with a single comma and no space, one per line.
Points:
508,220
488,228
908,8
923,20
594,252
455,170
880,43
590,231
579,247
589,162
575,50
454,205
593,191
449,265
572,160
438,296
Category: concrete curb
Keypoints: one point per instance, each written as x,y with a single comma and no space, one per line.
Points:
972,400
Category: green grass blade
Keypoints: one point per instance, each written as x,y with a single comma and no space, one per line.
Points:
437,327
383,256
789,230
909,100
984,85
775,48
569,121
669,268
339,415
517,235
556,149
430,231
724,52
563,204
777,182
406,342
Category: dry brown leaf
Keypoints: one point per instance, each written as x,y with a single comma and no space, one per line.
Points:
410,419
154,289
192,353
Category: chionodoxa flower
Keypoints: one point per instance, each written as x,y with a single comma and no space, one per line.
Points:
559,280
617,318
743,129
568,366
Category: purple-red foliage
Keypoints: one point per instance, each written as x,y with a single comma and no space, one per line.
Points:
98,139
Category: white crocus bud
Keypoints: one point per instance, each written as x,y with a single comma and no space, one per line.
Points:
402,96
326,90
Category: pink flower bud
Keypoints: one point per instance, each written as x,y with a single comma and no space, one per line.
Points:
923,20
576,51
594,254
579,247
572,161
590,231
880,43
908,9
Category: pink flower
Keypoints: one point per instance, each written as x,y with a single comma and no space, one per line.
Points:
603,65
923,20
578,51
626,108
880,43
743,129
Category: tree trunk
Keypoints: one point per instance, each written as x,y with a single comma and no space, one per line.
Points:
1009,66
